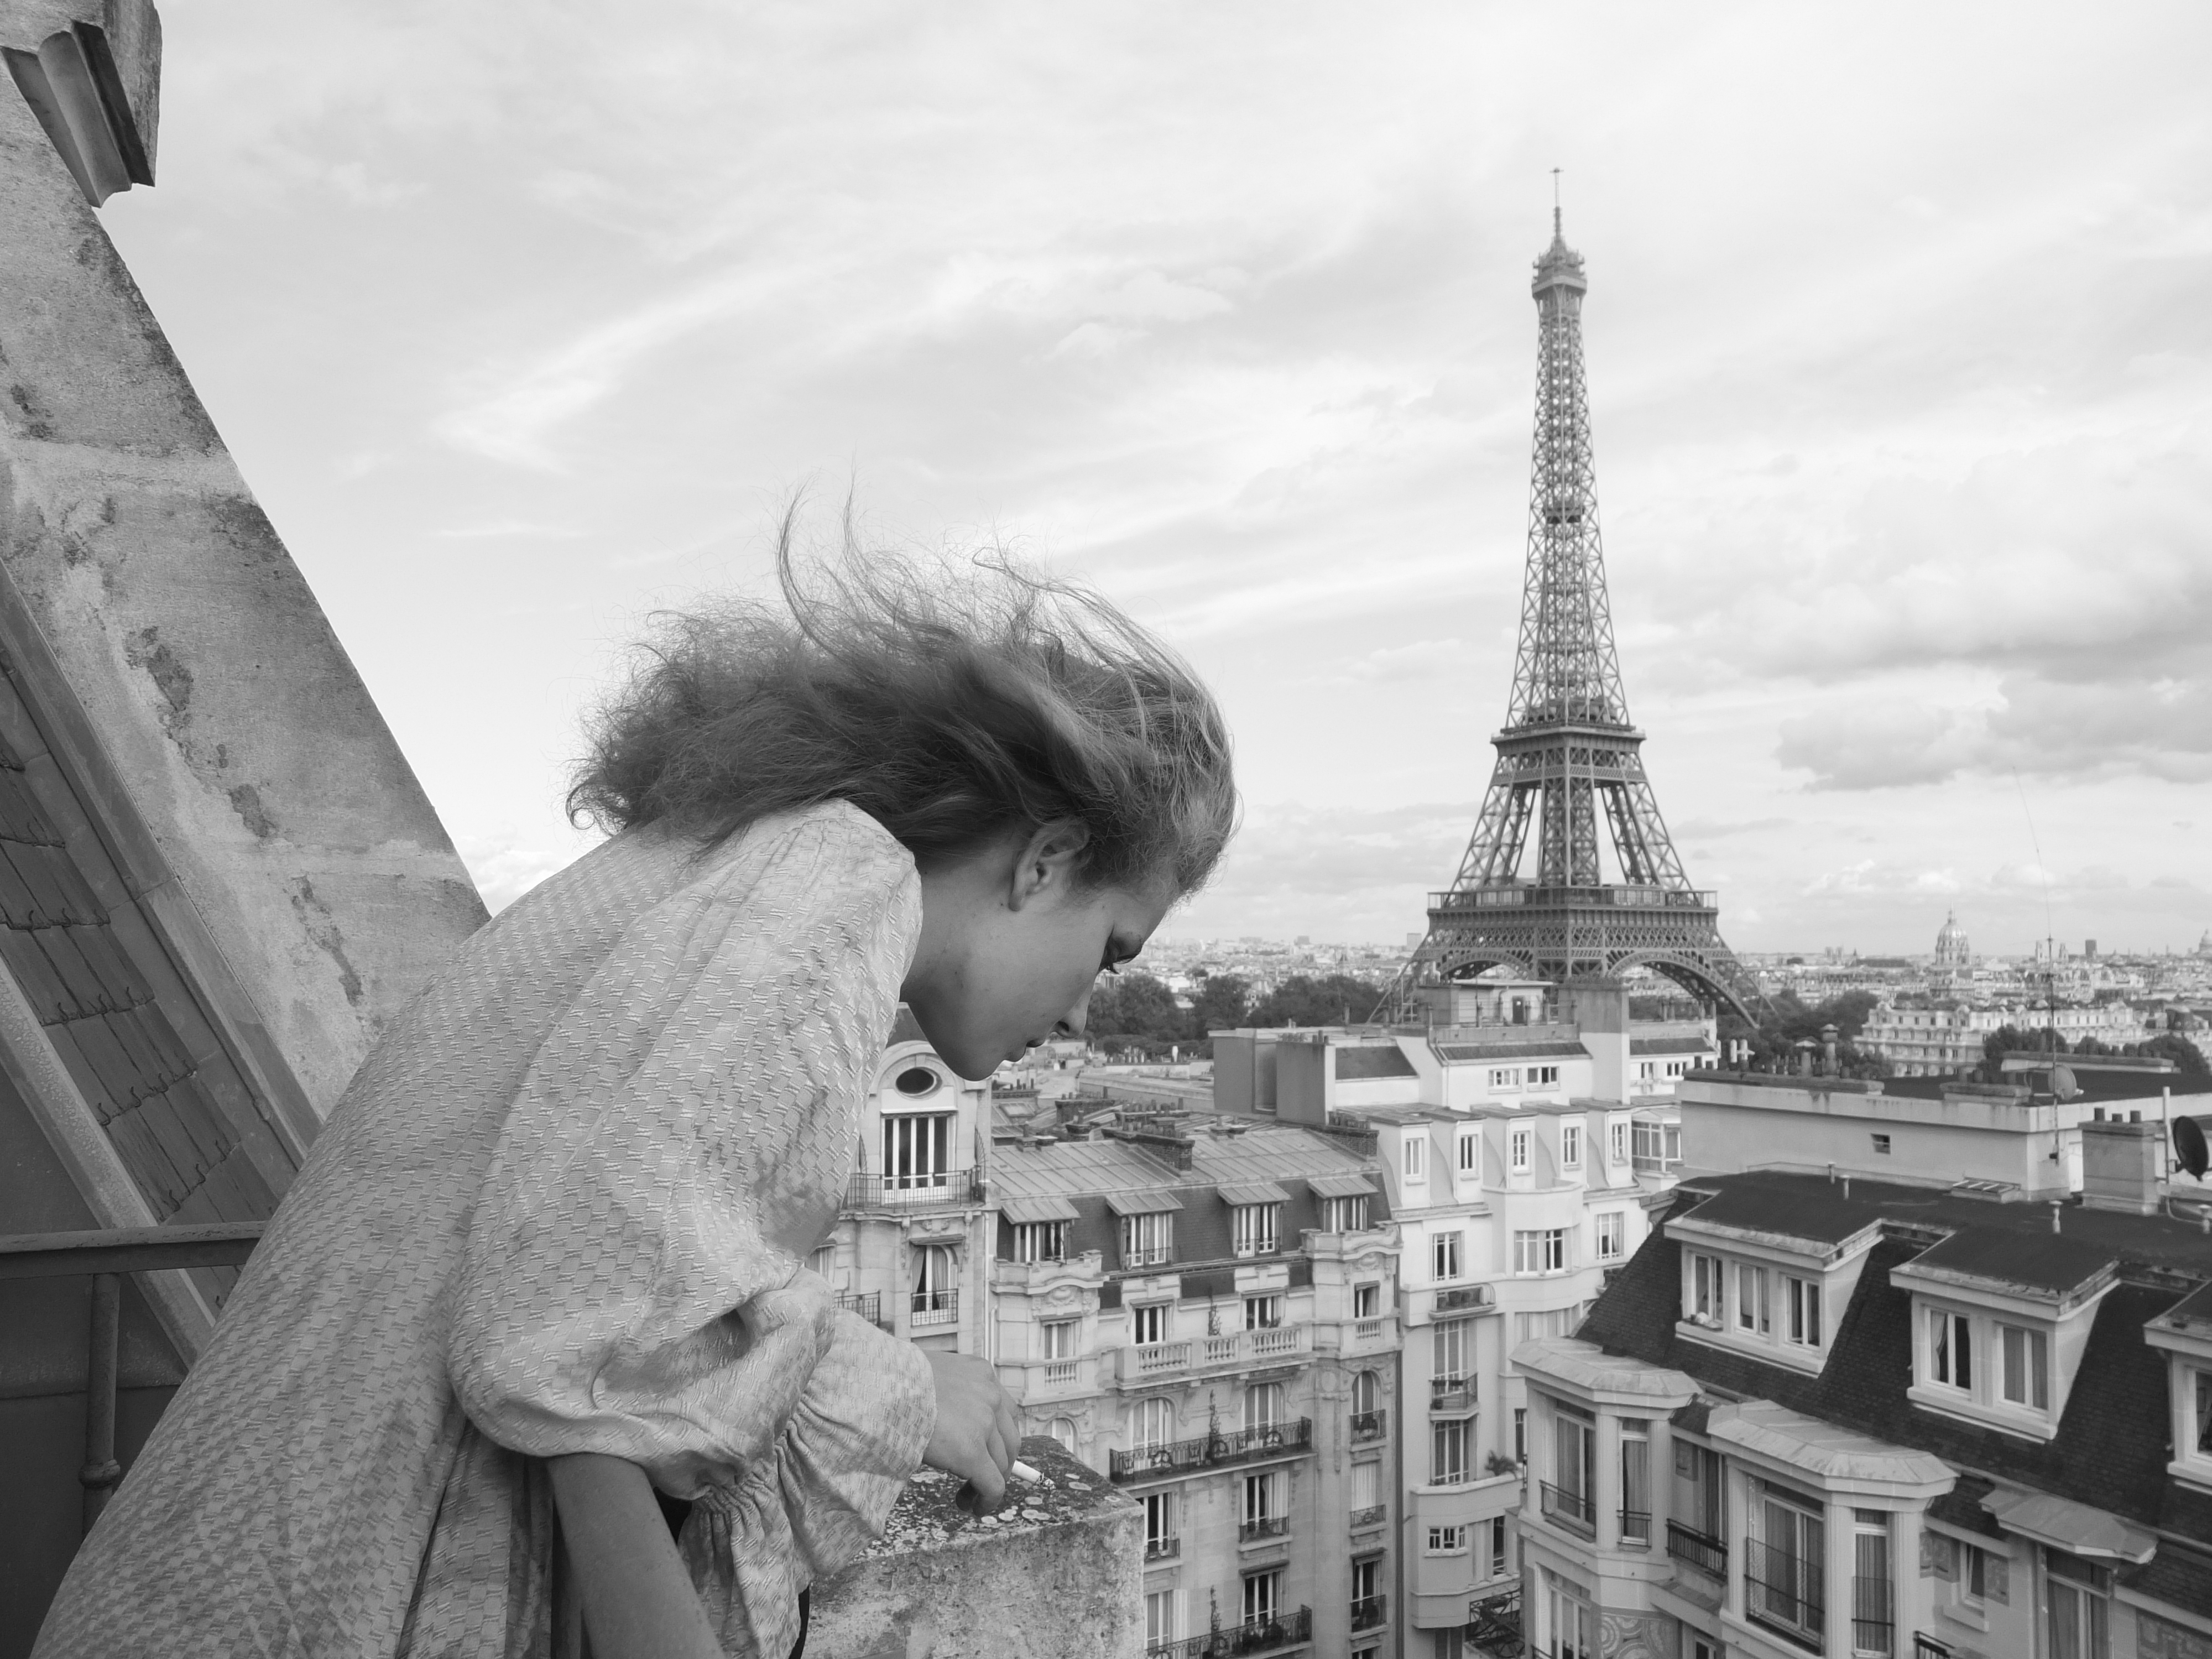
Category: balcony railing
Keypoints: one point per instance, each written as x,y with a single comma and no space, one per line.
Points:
1573,1509
1371,1426
1369,1611
1700,1549
1784,1591
1211,1450
1374,1515
1262,1526
1493,1623
935,1308
1925,1646
1206,1353
1152,1255
1635,1526
105,1256
1451,1394
1254,1636
948,1189
1163,1549
1367,1330
1874,1625
1061,1373
870,1307
1460,1295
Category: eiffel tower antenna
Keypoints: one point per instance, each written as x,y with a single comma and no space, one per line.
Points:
1568,747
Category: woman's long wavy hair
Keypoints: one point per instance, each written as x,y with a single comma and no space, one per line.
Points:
952,704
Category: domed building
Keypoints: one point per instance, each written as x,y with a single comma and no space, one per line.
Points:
1952,949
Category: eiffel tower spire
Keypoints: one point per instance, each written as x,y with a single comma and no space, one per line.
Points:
1568,748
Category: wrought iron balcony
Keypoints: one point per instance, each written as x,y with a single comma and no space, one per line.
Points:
1493,1623
1571,1509
1210,1451
1263,1526
1254,1636
1925,1646
935,1307
1374,1515
1371,1426
870,1307
1701,1550
1784,1591
1635,1526
1369,1611
1451,1394
1163,1549
947,1190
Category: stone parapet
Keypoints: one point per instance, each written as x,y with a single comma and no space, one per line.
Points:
1056,1573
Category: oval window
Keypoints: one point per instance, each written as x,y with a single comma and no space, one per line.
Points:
916,1080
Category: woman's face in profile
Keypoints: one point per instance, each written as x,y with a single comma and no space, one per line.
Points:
1011,948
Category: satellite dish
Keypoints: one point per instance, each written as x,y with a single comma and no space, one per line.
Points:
2190,1145
2062,1083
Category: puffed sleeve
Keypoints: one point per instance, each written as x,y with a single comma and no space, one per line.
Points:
630,1284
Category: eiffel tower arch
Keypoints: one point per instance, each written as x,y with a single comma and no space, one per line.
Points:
1569,775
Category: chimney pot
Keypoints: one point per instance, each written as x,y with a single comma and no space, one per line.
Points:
2054,1218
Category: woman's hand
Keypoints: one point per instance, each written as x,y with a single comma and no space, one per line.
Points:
976,1435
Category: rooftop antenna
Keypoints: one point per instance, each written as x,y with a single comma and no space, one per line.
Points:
1556,231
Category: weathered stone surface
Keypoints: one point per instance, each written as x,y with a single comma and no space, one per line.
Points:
195,684
1056,1573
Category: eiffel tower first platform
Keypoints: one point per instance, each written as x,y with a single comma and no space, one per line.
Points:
1568,748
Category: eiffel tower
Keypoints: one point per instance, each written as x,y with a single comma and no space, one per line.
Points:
1567,746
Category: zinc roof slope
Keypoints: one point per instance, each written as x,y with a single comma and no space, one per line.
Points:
1265,1152
1817,1217
2049,1262
2110,1450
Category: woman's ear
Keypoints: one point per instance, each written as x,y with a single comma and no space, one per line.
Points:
1047,861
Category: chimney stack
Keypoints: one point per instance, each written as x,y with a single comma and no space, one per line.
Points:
2123,1166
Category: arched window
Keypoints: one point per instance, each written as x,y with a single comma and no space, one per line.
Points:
1366,1392
1063,1431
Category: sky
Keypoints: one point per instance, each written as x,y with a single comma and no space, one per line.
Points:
526,321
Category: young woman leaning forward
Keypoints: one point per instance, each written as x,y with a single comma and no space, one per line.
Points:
545,1259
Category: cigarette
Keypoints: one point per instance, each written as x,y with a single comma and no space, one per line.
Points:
1021,1471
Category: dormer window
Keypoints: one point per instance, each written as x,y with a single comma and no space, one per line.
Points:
1417,1158
1344,1215
1470,1154
1571,1145
1252,1228
1951,1350
1803,1296
1750,1309
2025,1356
1519,1150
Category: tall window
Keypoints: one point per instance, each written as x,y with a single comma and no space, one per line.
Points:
1784,1572
1263,1405
1528,1252
1616,1134
1751,1313
1873,1600
1040,1241
1574,1464
1699,1492
1497,1530
2079,1610
917,1149
1804,1298
1555,1250
2025,1357
1263,1505
1155,1421
1147,1241
1444,1256
1148,1322
1704,1288
2204,1413
1062,1430
1635,1480
1262,1313
1417,1155
1571,1145
1520,1434
1344,1215
1519,1150
1470,1154
1454,1340
1951,1350
1057,1338
1255,1225
1367,1301
936,1287
1574,1622
1263,1597
1612,1234
1448,1447
1366,1485
1366,1392
1160,1628
1160,1538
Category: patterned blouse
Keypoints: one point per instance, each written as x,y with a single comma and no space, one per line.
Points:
563,1207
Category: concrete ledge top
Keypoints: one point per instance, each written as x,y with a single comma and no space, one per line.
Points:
929,1515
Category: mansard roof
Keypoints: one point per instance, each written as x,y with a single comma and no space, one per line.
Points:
2111,1448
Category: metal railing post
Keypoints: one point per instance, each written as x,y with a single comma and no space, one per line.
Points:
101,1473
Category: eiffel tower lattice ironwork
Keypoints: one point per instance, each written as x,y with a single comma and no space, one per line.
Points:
1569,751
